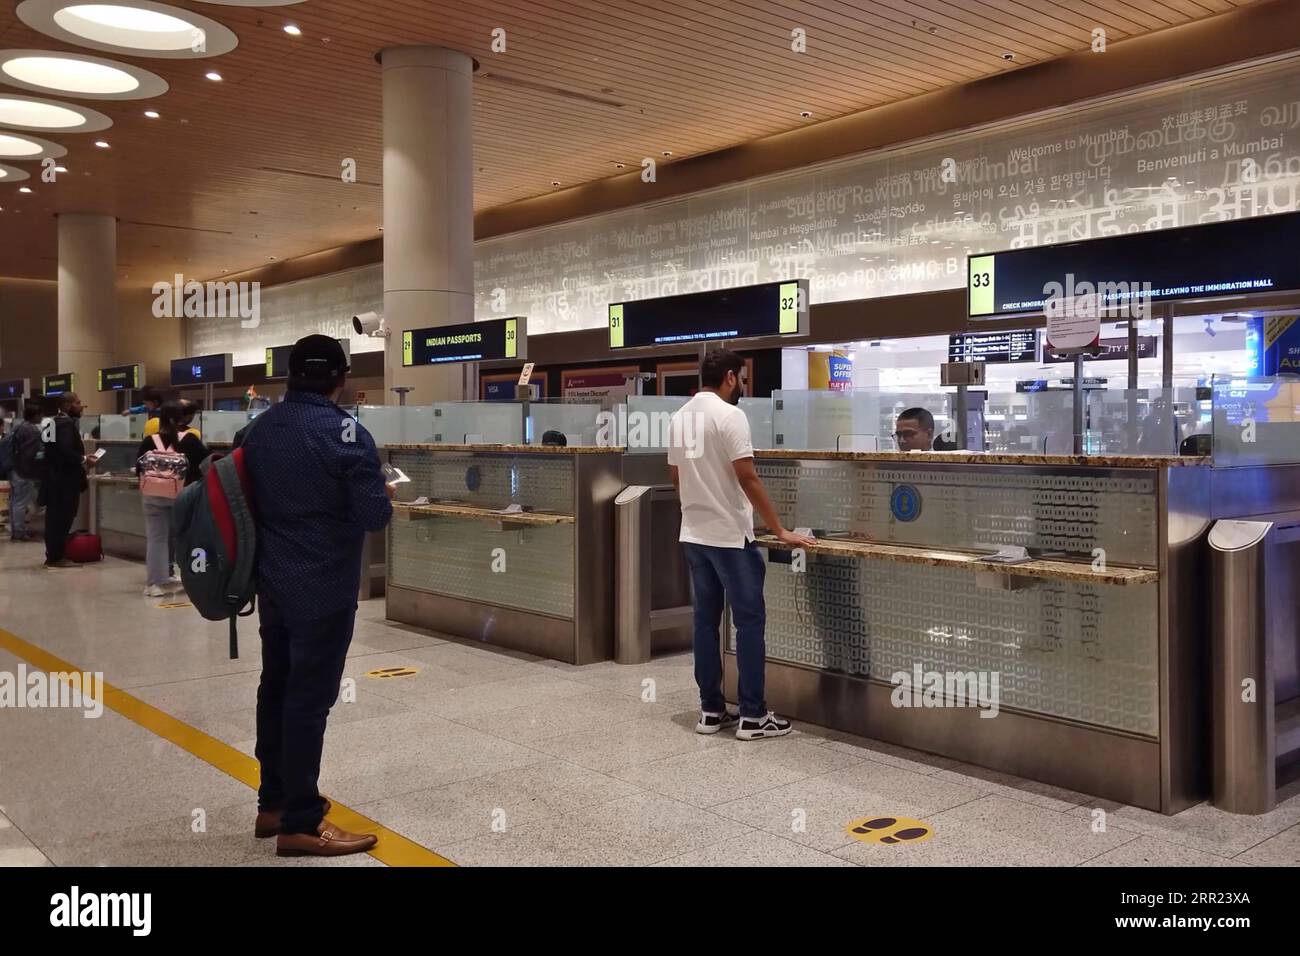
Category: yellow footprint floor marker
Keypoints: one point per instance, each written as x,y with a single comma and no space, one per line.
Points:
393,848
383,672
889,830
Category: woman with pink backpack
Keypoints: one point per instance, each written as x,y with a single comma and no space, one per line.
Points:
166,462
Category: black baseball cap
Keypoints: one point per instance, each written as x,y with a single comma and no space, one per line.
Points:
318,358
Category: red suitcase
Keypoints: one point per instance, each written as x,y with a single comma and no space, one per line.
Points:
84,547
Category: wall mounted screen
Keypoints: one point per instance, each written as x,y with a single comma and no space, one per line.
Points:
470,342
746,312
60,383
203,370
277,358
121,377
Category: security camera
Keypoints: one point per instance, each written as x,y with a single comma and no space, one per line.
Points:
369,323
1209,327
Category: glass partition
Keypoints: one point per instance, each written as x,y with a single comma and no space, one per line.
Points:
89,426
397,424
643,422
119,426
579,422
1256,421
478,423
825,421
940,405
220,426
1143,421
759,413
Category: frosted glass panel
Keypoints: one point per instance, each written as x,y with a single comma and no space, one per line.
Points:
1256,421
120,426
492,423
397,424
825,421
643,429
220,426
578,423
759,413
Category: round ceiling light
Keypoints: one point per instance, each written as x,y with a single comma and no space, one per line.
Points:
24,147
11,174
78,74
139,27
253,3
37,115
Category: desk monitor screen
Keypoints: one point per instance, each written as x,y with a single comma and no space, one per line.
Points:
203,370
277,358
746,312
59,384
470,342
121,377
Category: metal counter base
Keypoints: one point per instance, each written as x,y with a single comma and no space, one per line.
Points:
1092,761
122,545
526,631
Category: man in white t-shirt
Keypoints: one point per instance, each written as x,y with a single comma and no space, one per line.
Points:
711,457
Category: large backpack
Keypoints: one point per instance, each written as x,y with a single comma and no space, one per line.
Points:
7,457
215,542
29,453
162,471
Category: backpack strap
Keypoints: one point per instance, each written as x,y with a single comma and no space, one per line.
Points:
157,442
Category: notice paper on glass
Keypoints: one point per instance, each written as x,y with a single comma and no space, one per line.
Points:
393,475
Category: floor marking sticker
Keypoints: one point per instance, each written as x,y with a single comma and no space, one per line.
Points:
175,604
889,830
392,672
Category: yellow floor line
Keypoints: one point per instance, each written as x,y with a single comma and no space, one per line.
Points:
393,848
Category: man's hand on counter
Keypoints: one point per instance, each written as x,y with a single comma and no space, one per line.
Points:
794,539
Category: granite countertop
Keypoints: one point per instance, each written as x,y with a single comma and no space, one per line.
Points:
509,449
483,514
116,479
114,441
988,458
1051,569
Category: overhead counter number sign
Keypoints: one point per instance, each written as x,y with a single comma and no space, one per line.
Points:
616,326
789,305
980,285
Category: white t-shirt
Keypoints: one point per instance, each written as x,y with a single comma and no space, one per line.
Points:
704,438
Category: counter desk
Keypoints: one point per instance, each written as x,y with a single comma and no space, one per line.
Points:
1085,667
535,577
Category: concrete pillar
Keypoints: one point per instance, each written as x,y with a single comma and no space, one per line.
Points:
428,207
87,295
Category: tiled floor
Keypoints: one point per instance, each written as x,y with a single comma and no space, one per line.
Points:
494,758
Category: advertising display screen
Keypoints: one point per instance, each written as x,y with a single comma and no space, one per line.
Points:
277,358
14,388
1210,260
121,377
60,383
203,370
1020,345
470,342
747,312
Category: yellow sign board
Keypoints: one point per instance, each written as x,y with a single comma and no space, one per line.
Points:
406,348
789,304
512,342
980,286
616,326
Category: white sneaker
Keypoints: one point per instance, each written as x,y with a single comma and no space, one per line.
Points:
756,728
174,582
154,590
711,723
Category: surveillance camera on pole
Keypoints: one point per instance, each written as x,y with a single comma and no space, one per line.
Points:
371,324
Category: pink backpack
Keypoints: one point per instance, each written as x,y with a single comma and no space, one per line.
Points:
162,471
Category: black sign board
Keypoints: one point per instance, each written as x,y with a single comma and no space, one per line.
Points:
471,342
14,388
203,370
1020,345
1211,260
60,383
746,312
1032,385
277,358
121,377
1112,350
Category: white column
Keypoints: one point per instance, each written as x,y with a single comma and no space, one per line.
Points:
428,207
87,295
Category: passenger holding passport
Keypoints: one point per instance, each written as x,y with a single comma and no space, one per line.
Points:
317,488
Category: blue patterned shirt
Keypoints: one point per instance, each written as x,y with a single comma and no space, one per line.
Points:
317,489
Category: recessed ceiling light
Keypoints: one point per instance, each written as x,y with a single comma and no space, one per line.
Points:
24,189
805,113
292,30
12,174
29,112
101,143
668,152
60,169
152,114
76,73
213,75
142,27
555,182
13,146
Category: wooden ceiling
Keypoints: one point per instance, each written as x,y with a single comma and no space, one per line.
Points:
237,172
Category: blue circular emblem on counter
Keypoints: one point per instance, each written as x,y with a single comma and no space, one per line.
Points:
905,503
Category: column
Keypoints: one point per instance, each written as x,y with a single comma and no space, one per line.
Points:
87,295
428,207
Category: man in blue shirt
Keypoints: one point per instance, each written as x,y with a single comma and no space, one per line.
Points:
317,488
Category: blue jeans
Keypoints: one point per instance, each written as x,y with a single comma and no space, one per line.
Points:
21,493
736,574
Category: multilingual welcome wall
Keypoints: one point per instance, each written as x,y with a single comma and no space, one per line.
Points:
891,222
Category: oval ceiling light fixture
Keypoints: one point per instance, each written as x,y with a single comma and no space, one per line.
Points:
138,27
24,147
77,74
12,174
253,3
38,115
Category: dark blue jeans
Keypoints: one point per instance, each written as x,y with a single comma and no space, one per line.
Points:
302,664
736,574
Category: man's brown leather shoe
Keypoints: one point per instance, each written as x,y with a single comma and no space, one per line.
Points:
328,840
268,822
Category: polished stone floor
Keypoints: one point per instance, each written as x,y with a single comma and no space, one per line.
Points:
491,758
